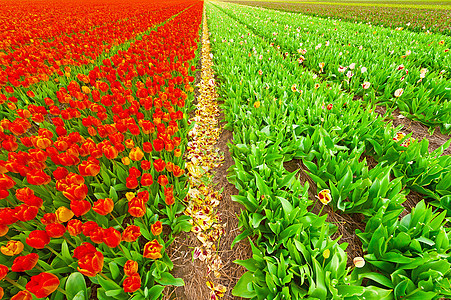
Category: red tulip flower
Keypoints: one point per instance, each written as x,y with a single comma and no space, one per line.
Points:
43,284
37,239
132,283
131,233
25,263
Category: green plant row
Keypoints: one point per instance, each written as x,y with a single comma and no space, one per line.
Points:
293,254
401,69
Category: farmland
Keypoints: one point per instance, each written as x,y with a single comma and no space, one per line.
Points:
220,150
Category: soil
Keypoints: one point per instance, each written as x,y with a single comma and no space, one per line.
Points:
194,272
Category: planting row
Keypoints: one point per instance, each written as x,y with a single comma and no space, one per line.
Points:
398,68
279,111
93,176
399,18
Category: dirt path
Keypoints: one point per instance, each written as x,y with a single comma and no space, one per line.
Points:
203,258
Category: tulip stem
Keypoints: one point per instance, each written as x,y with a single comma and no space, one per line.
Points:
321,210
101,185
314,204
14,283
69,242
62,291
106,277
114,218
53,251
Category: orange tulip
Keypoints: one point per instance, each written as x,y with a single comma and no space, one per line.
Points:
3,230
177,171
131,233
136,154
22,295
103,206
152,250
136,207
74,227
63,214
130,267
12,248
163,180
156,228
91,264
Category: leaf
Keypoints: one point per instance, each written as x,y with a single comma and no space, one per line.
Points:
250,264
117,293
113,194
114,269
241,287
396,258
107,284
261,185
290,231
65,253
168,279
379,278
287,207
155,292
240,237
74,285
79,296
425,240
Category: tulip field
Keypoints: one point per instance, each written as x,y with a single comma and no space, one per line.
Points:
110,121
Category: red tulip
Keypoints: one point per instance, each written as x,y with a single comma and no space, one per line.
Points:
103,206
111,237
130,267
25,263
132,283
55,230
3,272
146,179
43,284
159,165
80,208
37,239
131,233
